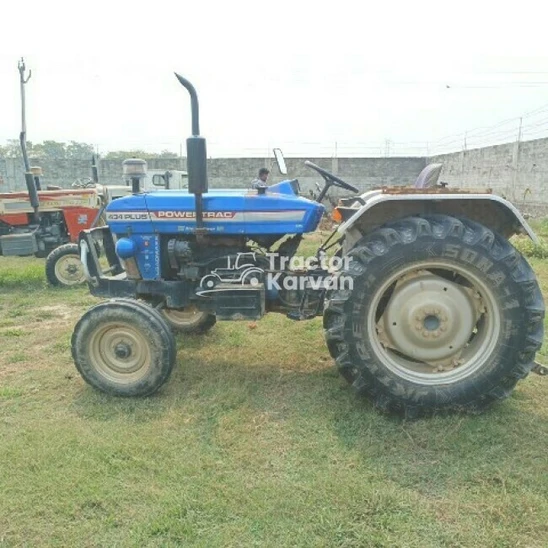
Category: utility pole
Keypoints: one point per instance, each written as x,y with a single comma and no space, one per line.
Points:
515,161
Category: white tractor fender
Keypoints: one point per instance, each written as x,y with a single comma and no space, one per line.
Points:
383,205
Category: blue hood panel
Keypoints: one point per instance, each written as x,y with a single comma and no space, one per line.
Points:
227,211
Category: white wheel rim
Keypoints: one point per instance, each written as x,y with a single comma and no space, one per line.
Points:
69,270
120,352
433,331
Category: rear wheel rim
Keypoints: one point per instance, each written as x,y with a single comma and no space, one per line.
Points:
120,352
69,270
433,323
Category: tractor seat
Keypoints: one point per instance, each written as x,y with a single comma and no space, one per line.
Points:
429,176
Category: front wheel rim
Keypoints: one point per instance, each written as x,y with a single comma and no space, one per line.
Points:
433,323
69,270
120,353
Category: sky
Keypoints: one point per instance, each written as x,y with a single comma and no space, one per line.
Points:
316,79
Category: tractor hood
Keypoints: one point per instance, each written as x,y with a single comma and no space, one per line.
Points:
279,210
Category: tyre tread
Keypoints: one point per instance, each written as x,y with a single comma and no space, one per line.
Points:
337,319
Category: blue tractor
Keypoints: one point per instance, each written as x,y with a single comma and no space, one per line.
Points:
426,305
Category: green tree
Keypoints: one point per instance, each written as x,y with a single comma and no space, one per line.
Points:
74,150
167,154
13,149
53,150
124,154
79,151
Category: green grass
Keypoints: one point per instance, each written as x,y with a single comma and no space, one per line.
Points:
22,272
255,441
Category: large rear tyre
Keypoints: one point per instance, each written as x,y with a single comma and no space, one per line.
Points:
123,347
438,314
64,268
189,320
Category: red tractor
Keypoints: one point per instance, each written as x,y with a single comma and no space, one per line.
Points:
46,223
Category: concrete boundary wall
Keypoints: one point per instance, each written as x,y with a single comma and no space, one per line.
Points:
364,173
518,171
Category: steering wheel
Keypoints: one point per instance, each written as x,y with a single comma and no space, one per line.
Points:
83,183
331,179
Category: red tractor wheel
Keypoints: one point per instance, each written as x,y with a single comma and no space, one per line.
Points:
64,268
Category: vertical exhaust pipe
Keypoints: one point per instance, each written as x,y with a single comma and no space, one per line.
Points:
94,170
196,159
29,176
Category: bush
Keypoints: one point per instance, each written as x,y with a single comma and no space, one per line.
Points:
529,249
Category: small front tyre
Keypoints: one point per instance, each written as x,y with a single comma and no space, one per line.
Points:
123,347
64,268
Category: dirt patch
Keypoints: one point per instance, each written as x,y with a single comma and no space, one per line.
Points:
59,311
6,370
49,317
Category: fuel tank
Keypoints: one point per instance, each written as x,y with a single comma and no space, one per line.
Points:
279,210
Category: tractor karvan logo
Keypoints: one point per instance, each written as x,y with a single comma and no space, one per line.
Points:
243,271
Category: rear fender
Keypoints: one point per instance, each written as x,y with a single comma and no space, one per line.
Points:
379,207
